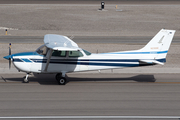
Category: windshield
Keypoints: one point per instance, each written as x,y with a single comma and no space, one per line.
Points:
42,50
86,52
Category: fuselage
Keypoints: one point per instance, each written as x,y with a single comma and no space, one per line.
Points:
36,63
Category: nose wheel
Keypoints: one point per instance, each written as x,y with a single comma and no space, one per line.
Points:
60,79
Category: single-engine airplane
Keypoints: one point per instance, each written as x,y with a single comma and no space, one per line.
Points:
60,55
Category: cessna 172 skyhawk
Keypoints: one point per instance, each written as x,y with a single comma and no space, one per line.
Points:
61,55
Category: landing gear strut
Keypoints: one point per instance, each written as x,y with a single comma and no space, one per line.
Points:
61,78
26,78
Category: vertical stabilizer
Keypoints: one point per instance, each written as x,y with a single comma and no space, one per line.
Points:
159,44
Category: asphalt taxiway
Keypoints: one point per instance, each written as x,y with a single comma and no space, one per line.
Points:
91,95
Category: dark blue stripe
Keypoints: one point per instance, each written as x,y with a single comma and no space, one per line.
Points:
114,64
162,60
96,64
115,60
72,60
88,62
100,64
17,60
91,60
39,60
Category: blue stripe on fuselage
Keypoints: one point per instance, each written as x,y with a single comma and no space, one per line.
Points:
96,62
90,60
26,54
84,60
17,60
153,52
26,60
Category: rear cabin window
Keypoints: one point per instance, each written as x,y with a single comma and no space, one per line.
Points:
75,54
57,53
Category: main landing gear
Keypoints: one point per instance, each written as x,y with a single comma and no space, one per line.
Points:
60,77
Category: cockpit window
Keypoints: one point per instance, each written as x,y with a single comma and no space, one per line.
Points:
86,52
42,50
75,54
57,53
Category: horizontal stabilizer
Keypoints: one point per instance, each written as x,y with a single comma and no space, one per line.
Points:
151,62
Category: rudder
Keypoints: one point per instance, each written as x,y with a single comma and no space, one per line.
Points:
159,44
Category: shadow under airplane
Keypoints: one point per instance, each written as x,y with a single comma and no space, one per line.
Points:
50,80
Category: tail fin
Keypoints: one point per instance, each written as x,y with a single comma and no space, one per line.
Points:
159,45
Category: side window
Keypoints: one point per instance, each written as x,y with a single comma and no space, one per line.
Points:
75,54
57,53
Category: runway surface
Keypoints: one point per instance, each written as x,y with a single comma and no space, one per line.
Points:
84,95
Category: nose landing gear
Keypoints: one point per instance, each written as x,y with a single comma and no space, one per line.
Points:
25,80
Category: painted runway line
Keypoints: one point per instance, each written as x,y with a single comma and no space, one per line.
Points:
93,117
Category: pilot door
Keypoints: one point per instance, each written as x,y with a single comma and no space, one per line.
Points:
57,63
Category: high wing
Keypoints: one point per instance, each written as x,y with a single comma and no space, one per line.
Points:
59,42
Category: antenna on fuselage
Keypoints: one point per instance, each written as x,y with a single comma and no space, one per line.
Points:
72,36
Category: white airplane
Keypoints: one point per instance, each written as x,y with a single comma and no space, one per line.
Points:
61,55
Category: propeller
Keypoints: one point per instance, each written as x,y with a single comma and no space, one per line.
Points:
9,55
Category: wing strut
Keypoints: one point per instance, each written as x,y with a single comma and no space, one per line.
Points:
49,58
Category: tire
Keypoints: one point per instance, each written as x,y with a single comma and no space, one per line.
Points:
62,81
25,80
58,76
